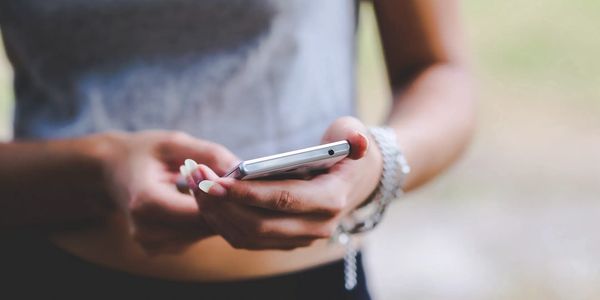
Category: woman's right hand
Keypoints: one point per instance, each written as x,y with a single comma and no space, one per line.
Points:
142,170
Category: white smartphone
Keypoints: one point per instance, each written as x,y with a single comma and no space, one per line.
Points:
298,163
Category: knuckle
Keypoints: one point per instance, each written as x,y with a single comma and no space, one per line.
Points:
176,137
211,154
284,200
217,150
168,141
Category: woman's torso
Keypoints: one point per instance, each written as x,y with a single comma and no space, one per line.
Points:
258,76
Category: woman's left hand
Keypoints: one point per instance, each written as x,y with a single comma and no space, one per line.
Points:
291,213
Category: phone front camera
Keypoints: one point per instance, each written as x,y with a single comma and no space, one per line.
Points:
331,152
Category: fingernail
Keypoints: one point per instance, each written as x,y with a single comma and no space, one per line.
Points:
368,142
190,164
362,134
183,171
192,170
212,188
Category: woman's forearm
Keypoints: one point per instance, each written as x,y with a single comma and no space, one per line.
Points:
52,182
434,118
426,58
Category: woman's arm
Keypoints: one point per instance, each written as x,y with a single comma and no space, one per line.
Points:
56,182
59,182
433,109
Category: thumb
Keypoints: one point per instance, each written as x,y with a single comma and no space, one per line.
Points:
216,156
352,130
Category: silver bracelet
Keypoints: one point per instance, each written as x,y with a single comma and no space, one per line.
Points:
395,170
365,218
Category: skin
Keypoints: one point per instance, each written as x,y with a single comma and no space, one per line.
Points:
286,214
117,189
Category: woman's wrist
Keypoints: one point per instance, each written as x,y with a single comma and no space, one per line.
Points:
393,169
99,155
372,171
102,152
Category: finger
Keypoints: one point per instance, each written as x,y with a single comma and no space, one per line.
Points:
206,174
260,223
180,206
182,146
192,176
321,195
238,239
352,130
164,203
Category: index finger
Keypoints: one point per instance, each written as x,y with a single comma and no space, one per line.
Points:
323,194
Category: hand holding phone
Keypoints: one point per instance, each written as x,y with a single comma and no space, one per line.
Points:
289,213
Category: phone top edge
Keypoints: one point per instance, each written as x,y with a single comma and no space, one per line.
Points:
255,167
304,150
295,158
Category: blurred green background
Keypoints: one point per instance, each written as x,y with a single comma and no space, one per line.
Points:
516,217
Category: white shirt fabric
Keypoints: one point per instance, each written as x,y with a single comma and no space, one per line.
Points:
258,76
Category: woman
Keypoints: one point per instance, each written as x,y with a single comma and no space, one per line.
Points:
113,96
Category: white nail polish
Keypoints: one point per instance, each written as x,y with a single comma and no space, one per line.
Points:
205,185
191,165
183,171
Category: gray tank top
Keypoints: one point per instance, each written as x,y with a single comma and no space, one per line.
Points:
258,76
